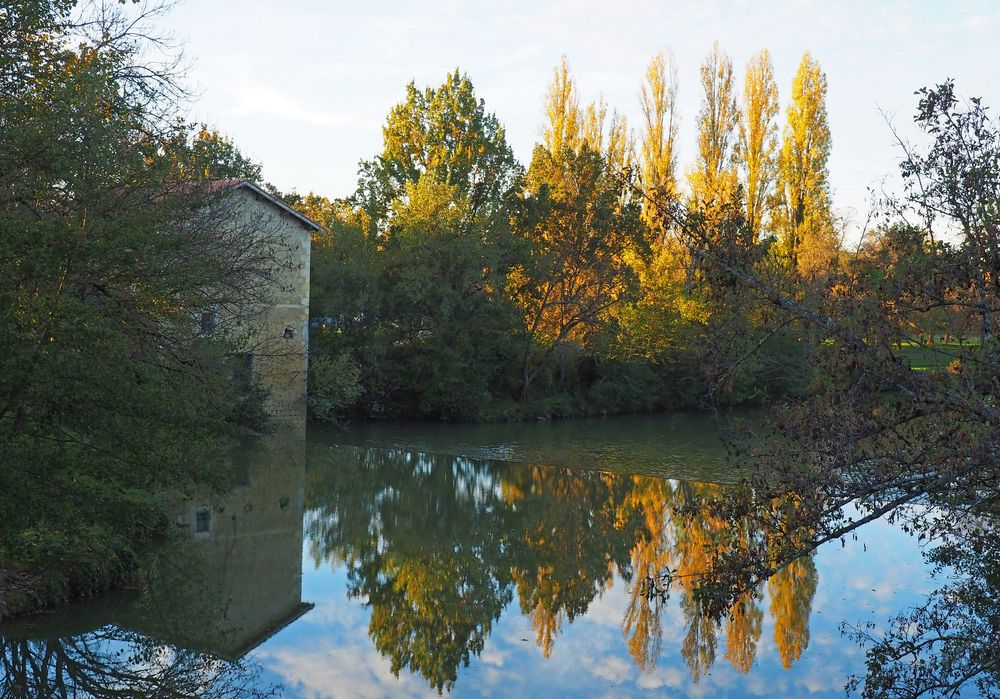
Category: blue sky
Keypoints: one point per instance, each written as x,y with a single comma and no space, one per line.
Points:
304,86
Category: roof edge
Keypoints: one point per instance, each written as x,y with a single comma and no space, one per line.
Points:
259,191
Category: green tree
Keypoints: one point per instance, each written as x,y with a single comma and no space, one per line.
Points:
446,134
414,267
201,153
450,331
108,392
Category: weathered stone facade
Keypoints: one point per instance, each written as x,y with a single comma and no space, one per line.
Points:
275,333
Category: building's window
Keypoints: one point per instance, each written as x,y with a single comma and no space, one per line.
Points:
209,321
243,372
202,520
289,332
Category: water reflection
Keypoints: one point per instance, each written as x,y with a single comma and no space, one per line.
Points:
438,546
229,580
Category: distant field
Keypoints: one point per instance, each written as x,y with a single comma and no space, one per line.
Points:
936,356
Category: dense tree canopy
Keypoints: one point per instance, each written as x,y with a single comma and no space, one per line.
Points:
109,394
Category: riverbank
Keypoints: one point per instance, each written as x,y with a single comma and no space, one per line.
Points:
32,589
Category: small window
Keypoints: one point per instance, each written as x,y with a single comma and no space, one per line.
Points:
209,321
289,332
202,520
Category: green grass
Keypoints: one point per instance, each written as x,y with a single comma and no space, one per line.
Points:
936,356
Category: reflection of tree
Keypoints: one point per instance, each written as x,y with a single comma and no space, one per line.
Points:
421,538
564,542
694,551
792,589
437,546
430,612
743,628
110,664
950,643
642,624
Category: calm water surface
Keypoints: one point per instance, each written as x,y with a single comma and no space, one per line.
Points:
498,560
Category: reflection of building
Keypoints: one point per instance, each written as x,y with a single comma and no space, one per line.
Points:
229,581
237,578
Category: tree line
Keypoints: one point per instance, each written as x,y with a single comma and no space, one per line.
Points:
457,283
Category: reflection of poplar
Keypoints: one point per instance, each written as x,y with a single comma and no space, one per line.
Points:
695,549
700,641
641,625
546,622
743,628
792,589
650,556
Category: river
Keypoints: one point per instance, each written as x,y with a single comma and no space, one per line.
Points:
408,559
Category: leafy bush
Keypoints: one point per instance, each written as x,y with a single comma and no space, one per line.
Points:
334,386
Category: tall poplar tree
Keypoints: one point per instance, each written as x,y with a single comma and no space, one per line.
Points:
562,111
592,124
659,160
713,180
804,220
758,145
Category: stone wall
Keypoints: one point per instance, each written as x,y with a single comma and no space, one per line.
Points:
277,333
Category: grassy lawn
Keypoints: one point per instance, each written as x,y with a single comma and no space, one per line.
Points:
936,356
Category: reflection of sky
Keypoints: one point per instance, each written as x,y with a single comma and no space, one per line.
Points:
328,653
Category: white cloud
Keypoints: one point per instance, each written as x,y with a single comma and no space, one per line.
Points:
329,671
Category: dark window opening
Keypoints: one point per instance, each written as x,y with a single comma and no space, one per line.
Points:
209,321
202,520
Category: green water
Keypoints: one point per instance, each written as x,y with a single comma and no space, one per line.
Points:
481,560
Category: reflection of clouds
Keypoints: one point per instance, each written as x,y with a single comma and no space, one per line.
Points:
614,669
663,677
492,655
333,670
323,615
756,685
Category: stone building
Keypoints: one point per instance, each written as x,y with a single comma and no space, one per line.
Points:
274,332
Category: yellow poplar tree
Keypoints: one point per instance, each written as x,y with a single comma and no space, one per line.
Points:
586,227
620,150
758,145
803,216
562,111
713,180
592,125
659,110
